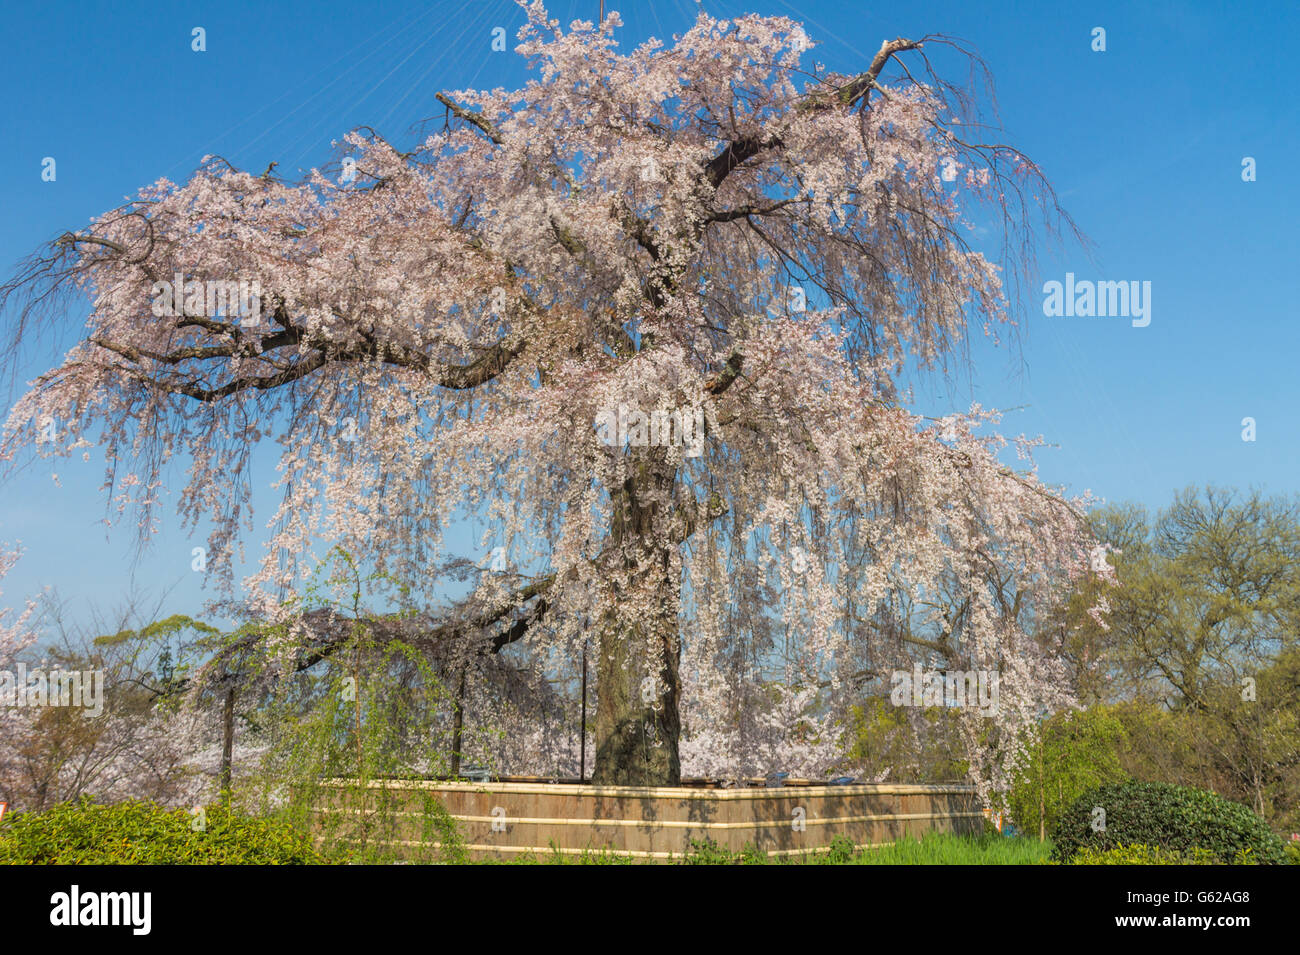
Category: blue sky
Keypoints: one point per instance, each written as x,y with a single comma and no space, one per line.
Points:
1144,143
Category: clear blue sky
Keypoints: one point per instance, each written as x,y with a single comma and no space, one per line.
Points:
1144,143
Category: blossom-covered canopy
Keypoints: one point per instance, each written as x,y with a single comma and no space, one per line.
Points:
713,227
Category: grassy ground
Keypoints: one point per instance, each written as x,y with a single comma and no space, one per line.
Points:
942,849
933,849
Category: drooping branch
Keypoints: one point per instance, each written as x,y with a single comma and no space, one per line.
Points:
861,86
473,374
743,212
327,631
736,153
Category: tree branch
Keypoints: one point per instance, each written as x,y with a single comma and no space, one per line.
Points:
474,119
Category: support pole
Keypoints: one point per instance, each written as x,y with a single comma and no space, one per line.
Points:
582,744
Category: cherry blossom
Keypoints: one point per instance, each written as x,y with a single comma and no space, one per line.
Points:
704,223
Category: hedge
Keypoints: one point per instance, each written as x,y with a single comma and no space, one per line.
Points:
1179,819
144,833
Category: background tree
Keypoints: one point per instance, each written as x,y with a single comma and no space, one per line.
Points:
906,745
1206,595
129,745
709,226
1073,751
1199,646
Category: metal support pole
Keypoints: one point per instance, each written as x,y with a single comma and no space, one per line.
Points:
582,745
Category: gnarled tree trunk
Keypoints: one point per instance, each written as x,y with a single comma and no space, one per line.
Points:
638,683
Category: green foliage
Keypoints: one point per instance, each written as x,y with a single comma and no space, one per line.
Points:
1075,751
374,825
707,852
840,852
1141,854
149,650
1177,818
144,833
935,848
585,857
160,630
913,745
1240,744
366,726
1203,642
938,848
1161,745
373,711
1208,591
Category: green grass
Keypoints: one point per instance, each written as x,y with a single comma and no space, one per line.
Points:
932,849
946,849
586,857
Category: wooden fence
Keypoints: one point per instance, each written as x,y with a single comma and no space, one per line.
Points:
505,819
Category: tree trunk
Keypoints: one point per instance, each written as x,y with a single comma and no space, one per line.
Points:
638,656
637,724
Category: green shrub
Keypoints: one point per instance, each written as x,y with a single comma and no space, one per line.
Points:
840,852
707,852
1160,815
143,833
1141,855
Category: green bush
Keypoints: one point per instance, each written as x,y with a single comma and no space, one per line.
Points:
144,833
1163,816
840,852
707,852
1141,855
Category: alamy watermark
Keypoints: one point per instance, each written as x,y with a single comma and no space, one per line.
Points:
975,689
1088,299
130,909
683,428
79,688
213,298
